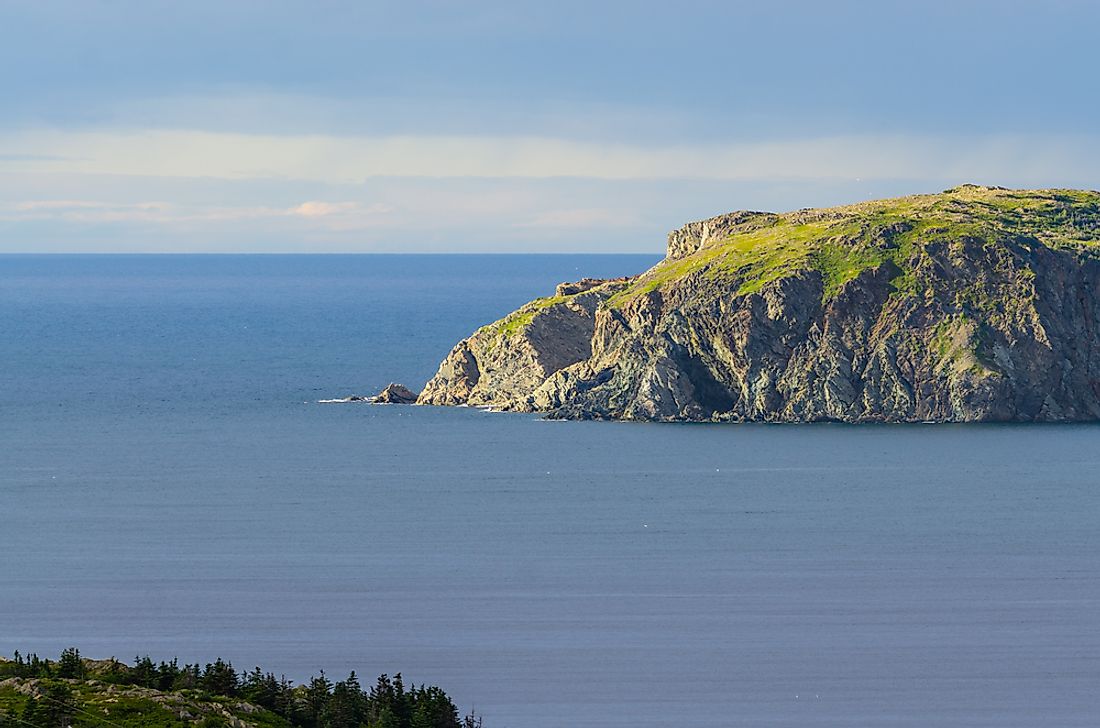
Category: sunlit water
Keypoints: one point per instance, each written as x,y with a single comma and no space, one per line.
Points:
169,486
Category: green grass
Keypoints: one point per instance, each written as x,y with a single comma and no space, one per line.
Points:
98,708
11,701
841,243
840,264
753,258
519,320
958,343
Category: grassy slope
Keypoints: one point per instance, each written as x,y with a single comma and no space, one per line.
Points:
841,242
99,707
518,320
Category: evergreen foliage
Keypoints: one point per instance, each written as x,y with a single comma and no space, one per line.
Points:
319,703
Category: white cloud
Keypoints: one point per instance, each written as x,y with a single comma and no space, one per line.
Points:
315,208
189,191
343,159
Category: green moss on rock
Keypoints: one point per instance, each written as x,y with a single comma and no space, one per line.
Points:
841,243
516,322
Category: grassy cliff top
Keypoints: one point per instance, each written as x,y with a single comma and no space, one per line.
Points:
841,242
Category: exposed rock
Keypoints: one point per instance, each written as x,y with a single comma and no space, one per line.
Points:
503,364
392,394
395,394
977,304
695,235
584,284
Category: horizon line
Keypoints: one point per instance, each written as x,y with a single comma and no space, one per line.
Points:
317,253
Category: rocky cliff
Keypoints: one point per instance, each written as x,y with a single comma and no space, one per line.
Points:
977,304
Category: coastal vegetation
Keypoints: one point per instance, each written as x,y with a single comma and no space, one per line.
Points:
77,692
842,242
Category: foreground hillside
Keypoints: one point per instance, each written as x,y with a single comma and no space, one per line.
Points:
72,691
977,304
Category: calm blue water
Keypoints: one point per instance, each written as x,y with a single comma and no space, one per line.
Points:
168,486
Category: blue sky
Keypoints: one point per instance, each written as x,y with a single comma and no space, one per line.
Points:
485,126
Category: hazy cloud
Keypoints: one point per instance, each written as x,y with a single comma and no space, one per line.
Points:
315,208
333,215
188,190
355,158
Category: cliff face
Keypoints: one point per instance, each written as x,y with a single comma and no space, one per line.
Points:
978,304
503,363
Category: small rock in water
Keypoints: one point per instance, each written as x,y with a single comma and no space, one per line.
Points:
395,394
341,400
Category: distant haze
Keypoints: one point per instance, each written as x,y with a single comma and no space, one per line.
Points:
514,126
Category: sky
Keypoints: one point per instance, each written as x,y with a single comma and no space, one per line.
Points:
247,126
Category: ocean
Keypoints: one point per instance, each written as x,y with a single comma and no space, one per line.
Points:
170,486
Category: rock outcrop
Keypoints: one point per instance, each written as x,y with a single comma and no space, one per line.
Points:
395,394
977,304
695,235
503,364
392,394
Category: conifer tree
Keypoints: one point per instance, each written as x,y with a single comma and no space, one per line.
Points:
317,696
69,665
220,678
